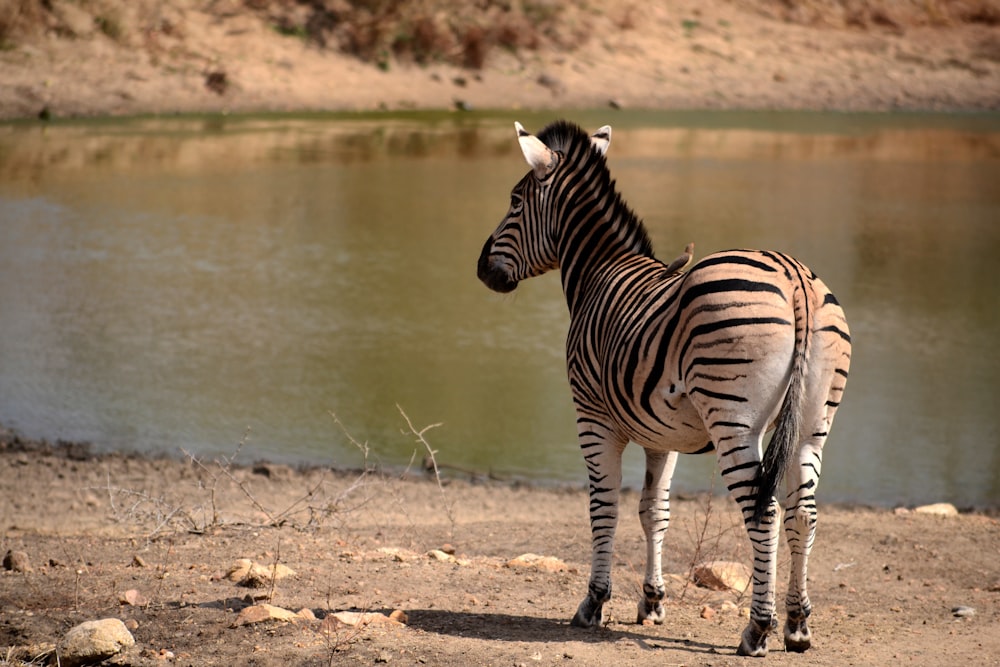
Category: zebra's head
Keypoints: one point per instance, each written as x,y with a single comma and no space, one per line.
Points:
525,243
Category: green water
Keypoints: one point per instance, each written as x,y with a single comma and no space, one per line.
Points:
167,283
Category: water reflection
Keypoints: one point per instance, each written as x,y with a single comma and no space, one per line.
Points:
165,283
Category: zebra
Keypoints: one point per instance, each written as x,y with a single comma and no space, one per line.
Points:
709,359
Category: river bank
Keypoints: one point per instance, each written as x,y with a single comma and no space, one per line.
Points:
116,58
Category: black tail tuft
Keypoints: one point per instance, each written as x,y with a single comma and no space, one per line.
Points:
782,447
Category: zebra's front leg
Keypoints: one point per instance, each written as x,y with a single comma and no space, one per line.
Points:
654,515
603,456
739,460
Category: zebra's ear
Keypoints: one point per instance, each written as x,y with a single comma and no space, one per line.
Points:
601,139
540,157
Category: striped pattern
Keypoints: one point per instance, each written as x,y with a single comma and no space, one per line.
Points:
744,342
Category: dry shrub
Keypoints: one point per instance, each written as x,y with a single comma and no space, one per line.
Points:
21,17
885,14
426,31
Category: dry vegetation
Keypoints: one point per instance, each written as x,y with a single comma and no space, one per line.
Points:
65,58
453,31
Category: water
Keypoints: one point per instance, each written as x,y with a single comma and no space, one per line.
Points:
166,284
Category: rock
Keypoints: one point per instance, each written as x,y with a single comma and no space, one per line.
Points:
399,616
261,613
728,606
239,569
720,575
707,613
938,509
963,612
306,614
541,563
437,554
360,619
16,561
254,575
134,598
94,641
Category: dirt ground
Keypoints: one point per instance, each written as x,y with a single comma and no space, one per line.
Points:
150,541
152,57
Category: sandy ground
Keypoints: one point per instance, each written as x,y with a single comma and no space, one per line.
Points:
150,542
183,56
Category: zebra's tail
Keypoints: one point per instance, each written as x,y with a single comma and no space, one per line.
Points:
786,432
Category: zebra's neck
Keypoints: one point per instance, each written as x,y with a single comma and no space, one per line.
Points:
599,232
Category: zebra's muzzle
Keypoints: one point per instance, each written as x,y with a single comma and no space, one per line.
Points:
492,271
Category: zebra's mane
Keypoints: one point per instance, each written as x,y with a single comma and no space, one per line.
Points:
575,145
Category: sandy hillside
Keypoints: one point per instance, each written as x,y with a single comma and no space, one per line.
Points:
116,57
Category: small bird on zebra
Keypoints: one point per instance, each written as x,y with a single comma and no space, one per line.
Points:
742,344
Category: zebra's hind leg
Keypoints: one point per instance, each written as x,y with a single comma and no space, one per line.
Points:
739,460
654,515
800,531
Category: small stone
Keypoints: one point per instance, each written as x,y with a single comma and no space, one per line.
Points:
963,612
239,569
306,614
399,616
94,641
261,613
448,549
360,618
132,625
137,561
254,575
16,561
937,509
707,613
728,606
438,554
134,598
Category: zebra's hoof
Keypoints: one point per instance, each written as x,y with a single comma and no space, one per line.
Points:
797,635
590,614
753,642
651,612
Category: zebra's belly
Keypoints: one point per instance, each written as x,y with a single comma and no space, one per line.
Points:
669,423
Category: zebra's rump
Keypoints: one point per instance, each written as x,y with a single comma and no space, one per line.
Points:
714,347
